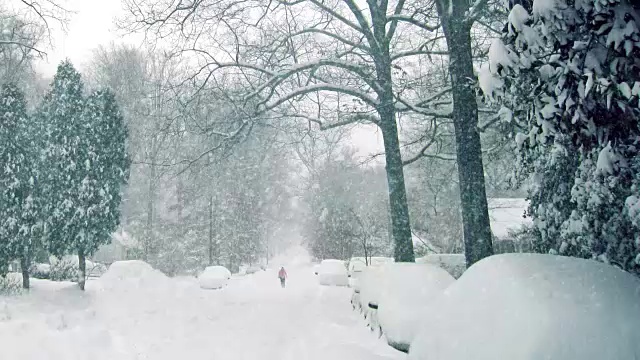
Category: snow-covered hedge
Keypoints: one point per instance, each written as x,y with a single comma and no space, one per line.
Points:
532,306
567,78
40,271
11,284
67,268
63,269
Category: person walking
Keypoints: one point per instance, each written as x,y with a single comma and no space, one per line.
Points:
282,275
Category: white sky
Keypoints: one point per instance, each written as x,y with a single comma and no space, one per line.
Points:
92,25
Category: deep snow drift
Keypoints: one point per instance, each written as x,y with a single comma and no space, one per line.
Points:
134,312
530,307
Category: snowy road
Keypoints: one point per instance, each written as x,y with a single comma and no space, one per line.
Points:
159,318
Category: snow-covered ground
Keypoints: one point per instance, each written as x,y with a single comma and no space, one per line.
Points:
154,317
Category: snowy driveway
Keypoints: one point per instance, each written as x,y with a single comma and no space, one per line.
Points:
158,318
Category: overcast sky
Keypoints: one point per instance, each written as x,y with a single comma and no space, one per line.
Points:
92,25
89,27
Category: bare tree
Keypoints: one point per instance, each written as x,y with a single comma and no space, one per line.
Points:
42,15
340,62
331,63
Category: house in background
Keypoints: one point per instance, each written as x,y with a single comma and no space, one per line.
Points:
507,216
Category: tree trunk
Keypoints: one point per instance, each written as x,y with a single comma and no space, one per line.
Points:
210,230
400,222
266,241
366,253
473,198
399,209
24,267
82,269
150,209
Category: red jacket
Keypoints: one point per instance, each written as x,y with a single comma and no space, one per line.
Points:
282,274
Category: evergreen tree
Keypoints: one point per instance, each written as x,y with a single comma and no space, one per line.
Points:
104,170
20,205
61,113
12,107
569,77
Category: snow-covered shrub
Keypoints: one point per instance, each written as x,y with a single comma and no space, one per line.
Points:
64,269
533,306
10,284
40,271
568,78
95,269
526,238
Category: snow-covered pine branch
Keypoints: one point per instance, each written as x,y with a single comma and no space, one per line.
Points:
567,73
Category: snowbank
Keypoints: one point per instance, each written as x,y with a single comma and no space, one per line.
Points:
407,291
214,277
530,306
161,318
454,264
333,273
132,275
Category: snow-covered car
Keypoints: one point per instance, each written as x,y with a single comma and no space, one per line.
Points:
380,260
333,273
533,306
454,264
214,277
368,289
407,290
356,266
